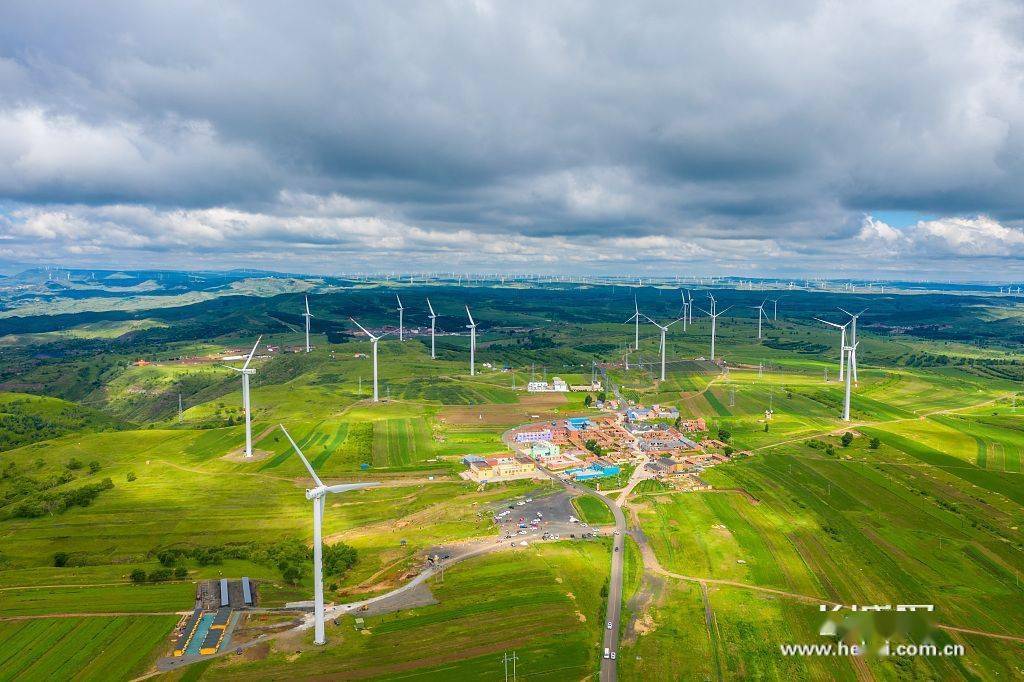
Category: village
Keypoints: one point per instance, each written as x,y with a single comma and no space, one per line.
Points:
669,447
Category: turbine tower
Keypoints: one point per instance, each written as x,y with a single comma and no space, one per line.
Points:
842,343
851,350
373,341
851,362
635,318
664,329
245,371
714,322
308,316
775,309
472,343
433,324
760,314
401,311
318,496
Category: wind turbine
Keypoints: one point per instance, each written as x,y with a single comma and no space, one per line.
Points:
852,361
636,317
852,351
472,343
373,341
714,320
842,343
686,310
401,310
760,314
308,316
775,309
664,329
433,324
246,372
318,496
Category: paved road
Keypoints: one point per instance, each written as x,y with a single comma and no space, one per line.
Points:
614,612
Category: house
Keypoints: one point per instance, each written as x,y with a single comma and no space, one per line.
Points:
559,386
542,450
538,387
501,468
533,436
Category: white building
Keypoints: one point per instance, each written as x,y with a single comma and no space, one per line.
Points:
538,387
559,386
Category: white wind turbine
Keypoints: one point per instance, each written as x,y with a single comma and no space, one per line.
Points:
664,329
852,361
760,314
714,322
308,315
433,325
686,310
318,496
635,318
245,371
373,342
775,308
401,311
851,351
842,343
472,343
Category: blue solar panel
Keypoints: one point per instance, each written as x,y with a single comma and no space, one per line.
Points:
246,591
224,592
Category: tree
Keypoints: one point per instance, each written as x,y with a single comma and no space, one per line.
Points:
846,439
875,443
60,559
766,427
602,396
588,401
830,450
724,435
131,476
75,464
94,466
292,574
180,572
138,576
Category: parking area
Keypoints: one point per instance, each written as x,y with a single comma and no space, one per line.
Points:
550,516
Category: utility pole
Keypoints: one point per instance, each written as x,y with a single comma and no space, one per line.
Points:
179,408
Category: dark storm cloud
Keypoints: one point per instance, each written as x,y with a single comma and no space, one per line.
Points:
410,129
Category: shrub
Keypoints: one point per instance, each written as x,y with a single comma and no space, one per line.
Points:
94,466
724,435
160,575
131,476
75,464
875,443
292,574
846,439
830,450
180,572
60,559
138,576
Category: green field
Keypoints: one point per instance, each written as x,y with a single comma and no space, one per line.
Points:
924,505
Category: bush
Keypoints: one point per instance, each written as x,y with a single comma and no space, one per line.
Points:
875,443
338,558
724,435
588,401
830,450
75,464
131,476
180,572
160,575
846,439
138,576
94,466
60,559
292,574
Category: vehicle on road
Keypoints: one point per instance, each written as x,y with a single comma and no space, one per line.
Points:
606,652
613,655
609,625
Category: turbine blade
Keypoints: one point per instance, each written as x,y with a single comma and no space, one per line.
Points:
252,352
372,337
298,452
432,313
470,316
307,306
399,302
345,487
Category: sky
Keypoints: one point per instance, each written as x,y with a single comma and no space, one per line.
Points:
832,139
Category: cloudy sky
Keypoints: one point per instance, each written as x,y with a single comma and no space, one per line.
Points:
819,138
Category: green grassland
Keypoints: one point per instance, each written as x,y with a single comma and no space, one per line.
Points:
933,514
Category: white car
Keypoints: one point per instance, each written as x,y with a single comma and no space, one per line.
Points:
613,655
609,625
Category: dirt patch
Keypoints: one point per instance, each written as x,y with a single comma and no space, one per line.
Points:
238,455
511,414
256,653
410,599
